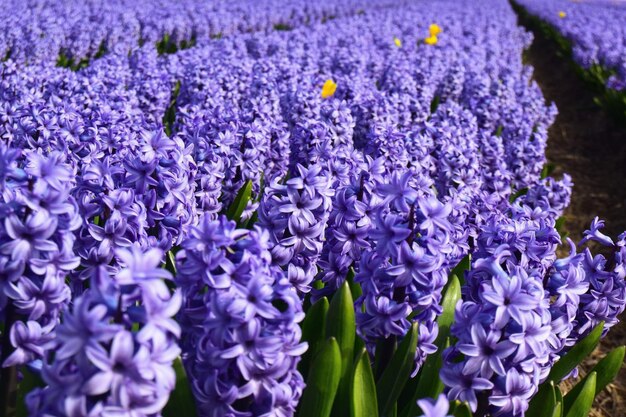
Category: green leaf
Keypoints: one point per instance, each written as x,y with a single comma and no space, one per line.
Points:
390,385
341,325
434,104
321,385
460,409
559,397
30,381
426,385
240,203
547,170
282,27
170,262
385,349
459,270
544,402
355,287
557,411
181,402
429,385
313,330
606,370
359,345
576,355
451,296
169,117
363,396
582,405
518,194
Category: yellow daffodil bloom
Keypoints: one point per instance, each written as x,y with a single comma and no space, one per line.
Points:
431,40
329,88
434,29
398,42
562,14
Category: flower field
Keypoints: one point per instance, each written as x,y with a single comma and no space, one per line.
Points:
601,54
276,208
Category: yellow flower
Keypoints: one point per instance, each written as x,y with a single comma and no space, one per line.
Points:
329,88
431,40
562,14
398,42
434,29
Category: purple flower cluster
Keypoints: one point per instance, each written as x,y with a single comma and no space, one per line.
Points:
295,214
240,315
36,248
114,350
37,31
522,308
404,168
595,30
403,272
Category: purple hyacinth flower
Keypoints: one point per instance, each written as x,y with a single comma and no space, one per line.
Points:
435,408
594,234
464,386
486,352
506,294
517,393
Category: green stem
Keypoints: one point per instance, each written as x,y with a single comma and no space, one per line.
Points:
8,375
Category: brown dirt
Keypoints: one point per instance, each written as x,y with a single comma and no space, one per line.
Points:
591,147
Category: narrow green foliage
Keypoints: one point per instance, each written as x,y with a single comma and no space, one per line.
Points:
559,226
606,370
459,409
428,384
391,383
341,324
170,262
461,268
240,203
518,194
30,381
355,287
363,390
547,170
582,405
321,385
313,330
282,27
182,402
559,402
451,296
385,349
434,104
544,402
169,117
576,355
166,45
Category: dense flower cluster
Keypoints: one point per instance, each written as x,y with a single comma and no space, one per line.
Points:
240,315
295,214
70,32
579,22
406,267
36,248
114,351
384,141
522,309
